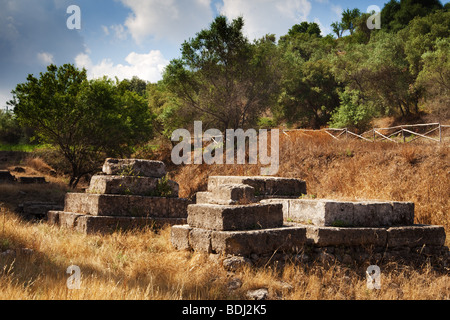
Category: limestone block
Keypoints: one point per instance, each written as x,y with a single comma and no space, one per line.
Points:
234,192
227,218
284,202
134,167
96,224
208,198
335,236
179,237
130,185
324,212
31,180
128,206
246,243
416,236
200,240
5,176
263,185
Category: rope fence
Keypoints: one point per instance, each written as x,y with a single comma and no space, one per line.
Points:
398,134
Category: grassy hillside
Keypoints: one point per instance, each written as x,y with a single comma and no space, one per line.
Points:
143,265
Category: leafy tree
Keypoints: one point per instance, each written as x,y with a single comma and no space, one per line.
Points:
309,88
349,18
305,27
435,77
353,112
338,28
135,84
420,37
397,15
10,130
228,81
85,120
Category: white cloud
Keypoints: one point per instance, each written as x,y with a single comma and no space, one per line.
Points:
119,31
267,16
170,19
337,9
145,66
5,96
105,30
325,30
45,58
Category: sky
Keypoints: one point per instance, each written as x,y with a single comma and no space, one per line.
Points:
126,38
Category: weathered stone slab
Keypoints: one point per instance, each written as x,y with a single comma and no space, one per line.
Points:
324,212
227,218
127,206
263,185
179,237
208,198
6,176
31,180
95,224
284,202
134,167
245,243
131,185
334,236
416,236
234,192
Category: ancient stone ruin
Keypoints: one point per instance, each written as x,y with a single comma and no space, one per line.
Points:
7,177
265,218
129,194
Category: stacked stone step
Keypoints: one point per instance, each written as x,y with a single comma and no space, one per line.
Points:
384,228
260,216
130,193
228,218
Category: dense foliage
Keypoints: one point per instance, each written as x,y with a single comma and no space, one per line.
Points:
303,79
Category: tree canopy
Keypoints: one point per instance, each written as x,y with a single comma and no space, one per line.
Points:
85,120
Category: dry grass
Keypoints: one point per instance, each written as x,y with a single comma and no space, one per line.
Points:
143,265
352,170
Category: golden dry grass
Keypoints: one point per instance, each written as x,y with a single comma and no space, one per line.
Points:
352,170
143,265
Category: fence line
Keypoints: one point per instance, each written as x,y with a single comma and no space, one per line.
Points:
402,133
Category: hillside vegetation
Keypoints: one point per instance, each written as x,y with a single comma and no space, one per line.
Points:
143,265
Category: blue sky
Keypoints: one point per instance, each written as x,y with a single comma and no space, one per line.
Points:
124,38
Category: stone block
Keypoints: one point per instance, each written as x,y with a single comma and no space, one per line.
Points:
266,241
31,180
335,236
264,186
134,167
324,212
208,198
284,202
53,217
416,236
5,176
234,192
130,185
127,206
179,237
96,224
227,218
200,240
